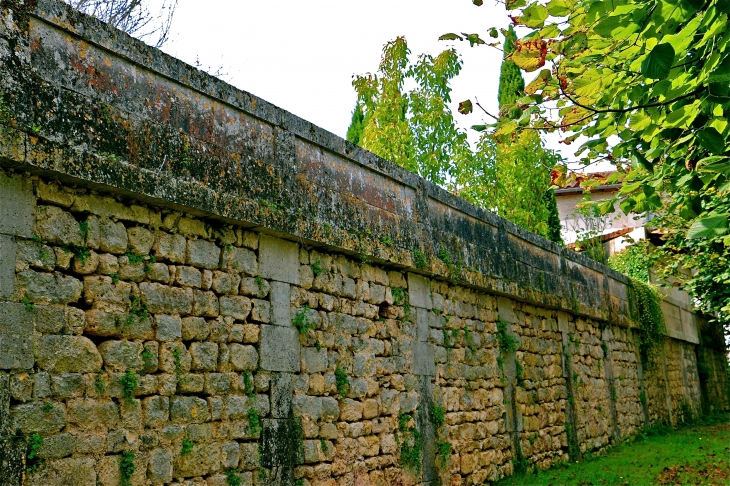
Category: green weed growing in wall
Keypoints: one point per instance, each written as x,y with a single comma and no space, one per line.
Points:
29,305
187,446
80,252
99,385
420,260
33,447
254,421
508,343
438,416
386,240
443,454
317,268
409,440
126,468
233,478
248,384
302,321
342,382
647,305
129,383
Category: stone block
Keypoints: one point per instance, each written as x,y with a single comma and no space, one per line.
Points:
140,240
166,300
68,385
121,356
330,409
255,287
204,356
278,259
243,358
37,417
159,272
57,446
159,467
216,384
423,359
8,252
188,410
57,226
188,277
67,354
195,329
113,237
102,289
419,291
279,349
281,304
17,205
205,304
240,260
506,310
78,471
114,323
225,283
54,288
261,311
34,254
169,328
422,322
205,458
281,395
202,254
170,247
238,307
16,337
303,405
314,361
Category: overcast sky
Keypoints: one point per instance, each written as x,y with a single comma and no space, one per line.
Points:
301,55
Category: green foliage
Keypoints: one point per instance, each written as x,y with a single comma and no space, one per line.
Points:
248,384
80,252
508,343
317,268
511,83
443,454
355,130
129,383
138,308
29,305
259,282
148,357
634,261
115,277
408,438
47,407
520,463
99,385
84,228
438,416
126,468
233,478
187,446
342,382
420,260
302,321
33,447
254,421
400,296
385,239
647,301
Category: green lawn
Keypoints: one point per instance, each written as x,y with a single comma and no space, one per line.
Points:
696,454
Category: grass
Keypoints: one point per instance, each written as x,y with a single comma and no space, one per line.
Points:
693,454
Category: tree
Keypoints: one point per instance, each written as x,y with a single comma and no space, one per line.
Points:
132,17
647,82
523,184
354,132
416,129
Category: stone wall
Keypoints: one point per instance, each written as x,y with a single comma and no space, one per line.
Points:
197,286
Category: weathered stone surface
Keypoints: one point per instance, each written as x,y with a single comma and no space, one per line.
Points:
169,328
204,356
166,300
255,287
170,247
202,460
281,304
121,356
194,329
243,358
140,240
205,304
188,277
419,291
117,323
202,254
278,259
311,407
17,205
113,237
238,307
34,253
68,385
225,283
102,289
16,336
159,469
240,260
54,288
281,395
78,471
314,361
8,252
186,410
57,226
280,349
158,272
261,311
67,354
36,417
156,411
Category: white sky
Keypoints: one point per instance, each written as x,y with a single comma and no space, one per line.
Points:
301,55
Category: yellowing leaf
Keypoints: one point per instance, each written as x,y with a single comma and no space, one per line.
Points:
530,55
466,107
575,115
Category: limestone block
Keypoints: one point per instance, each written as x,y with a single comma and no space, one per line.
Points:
204,356
140,240
33,253
238,307
205,304
57,446
16,337
422,323
188,277
279,349
311,407
419,291
506,310
281,304
55,225
261,311
195,329
55,194
188,410
113,237
78,471
121,356
35,417
216,384
102,289
170,247
108,264
350,410
115,323
204,459
17,205
243,358
169,328
158,272
131,271
281,395
159,467
166,300
314,361
88,265
46,287
225,283
423,359
278,259
255,288
67,354
68,385
202,254
8,251
240,260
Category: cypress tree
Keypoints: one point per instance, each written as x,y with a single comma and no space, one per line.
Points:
354,132
511,84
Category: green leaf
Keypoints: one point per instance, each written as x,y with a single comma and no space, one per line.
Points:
451,37
641,161
721,74
515,4
714,164
534,16
493,33
712,140
708,227
658,63
478,3
559,8
473,39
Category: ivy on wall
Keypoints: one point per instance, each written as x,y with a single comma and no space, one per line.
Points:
648,309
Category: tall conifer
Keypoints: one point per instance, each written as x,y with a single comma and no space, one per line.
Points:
354,132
